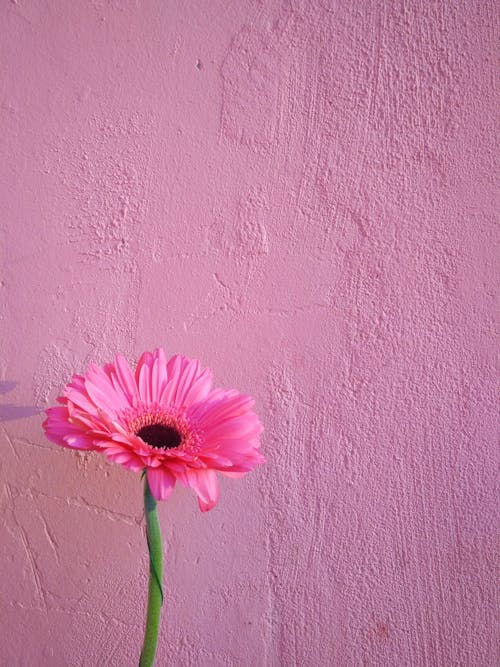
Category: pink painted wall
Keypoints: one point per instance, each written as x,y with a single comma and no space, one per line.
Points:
300,194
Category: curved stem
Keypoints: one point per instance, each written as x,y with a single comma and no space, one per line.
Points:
155,591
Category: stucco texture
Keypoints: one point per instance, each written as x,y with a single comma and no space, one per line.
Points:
300,194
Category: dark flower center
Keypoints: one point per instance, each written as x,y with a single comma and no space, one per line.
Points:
160,436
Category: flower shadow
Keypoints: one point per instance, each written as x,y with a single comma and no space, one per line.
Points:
7,385
10,411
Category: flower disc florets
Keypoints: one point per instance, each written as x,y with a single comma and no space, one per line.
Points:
162,428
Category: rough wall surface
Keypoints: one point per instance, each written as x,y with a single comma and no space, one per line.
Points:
301,195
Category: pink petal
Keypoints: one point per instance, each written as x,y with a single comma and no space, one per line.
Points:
188,383
77,393
246,427
230,426
204,484
145,384
61,431
101,391
161,483
126,459
78,441
126,379
143,376
159,378
234,461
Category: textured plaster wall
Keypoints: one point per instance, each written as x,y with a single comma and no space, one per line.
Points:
300,194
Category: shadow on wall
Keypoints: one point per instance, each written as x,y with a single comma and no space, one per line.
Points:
9,411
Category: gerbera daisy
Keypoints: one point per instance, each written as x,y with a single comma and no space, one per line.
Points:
165,419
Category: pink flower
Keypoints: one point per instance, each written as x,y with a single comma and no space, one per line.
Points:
165,419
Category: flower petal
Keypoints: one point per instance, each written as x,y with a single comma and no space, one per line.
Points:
161,482
228,422
234,475
101,391
75,391
60,430
125,458
143,376
159,377
126,378
204,484
187,383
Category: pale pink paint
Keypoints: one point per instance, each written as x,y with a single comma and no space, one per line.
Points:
301,195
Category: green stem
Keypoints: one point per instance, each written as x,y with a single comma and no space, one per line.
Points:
155,592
